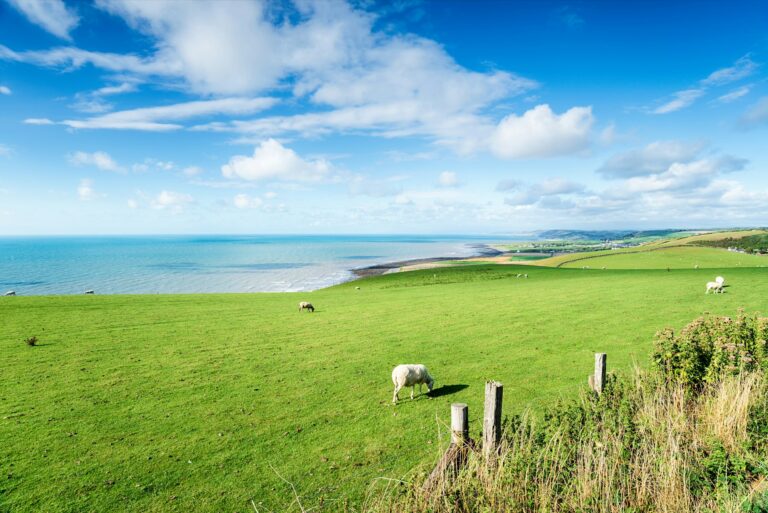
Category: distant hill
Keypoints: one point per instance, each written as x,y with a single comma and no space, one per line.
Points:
603,234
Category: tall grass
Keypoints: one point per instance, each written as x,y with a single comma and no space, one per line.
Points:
652,442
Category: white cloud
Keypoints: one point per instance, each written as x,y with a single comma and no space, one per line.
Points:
5,90
100,159
552,186
173,201
542,133
133,204
38,121
508,185
85,190
735,94
448,179
376,188
681,100
742,68
192,171
329,56
245,201
272,160
52,15
270,195
757,114
153,118
656,157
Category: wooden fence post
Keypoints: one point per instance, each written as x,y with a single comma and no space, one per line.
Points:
494,393
459,423
599,376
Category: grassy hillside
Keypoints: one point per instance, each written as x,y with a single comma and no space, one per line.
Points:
676,253
197,402
673,258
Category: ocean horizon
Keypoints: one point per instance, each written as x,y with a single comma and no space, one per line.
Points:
176,264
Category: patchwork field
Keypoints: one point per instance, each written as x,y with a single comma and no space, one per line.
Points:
206,402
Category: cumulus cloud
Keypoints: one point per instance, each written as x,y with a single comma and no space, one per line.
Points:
85,190
682,176
540,132
51,15
100,159
656,157
273,161
544,194
192,171
508,185
376,188
5,90
329,56
244,201
448,179
172,201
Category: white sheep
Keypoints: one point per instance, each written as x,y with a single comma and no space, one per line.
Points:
410,376
10,293
715,287
525,276
305,305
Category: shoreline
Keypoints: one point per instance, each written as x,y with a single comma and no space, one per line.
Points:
483,250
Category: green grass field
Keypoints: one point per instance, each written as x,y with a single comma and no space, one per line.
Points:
197,402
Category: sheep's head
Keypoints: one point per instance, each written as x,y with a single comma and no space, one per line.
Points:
430,383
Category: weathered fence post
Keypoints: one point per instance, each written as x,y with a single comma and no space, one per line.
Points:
459,423
494,393
456,455
597,380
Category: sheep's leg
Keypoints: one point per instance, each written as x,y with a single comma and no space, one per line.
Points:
394,397
413,389
420,392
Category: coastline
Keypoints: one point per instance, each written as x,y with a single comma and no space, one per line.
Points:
483,250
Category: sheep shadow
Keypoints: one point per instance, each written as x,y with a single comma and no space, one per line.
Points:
446,390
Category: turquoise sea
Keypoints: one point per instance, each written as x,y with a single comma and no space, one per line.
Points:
188,264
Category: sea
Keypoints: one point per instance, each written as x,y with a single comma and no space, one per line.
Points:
208,264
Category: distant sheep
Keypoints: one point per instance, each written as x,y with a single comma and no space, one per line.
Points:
89,292
304,305
696,266
525,276
720,280
410,376
519,275
715,287
10,293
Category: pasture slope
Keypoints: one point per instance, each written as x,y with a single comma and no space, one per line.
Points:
197,402
675,253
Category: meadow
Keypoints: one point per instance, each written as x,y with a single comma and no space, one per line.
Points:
208,402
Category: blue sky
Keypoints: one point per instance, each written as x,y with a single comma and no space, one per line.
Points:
123,117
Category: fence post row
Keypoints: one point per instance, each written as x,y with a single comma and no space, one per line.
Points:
456,455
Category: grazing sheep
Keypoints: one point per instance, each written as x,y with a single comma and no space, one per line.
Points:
410,376
89,292
714,286
305,305
10,293
518,275
357,288
720,280
525,276
696,266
